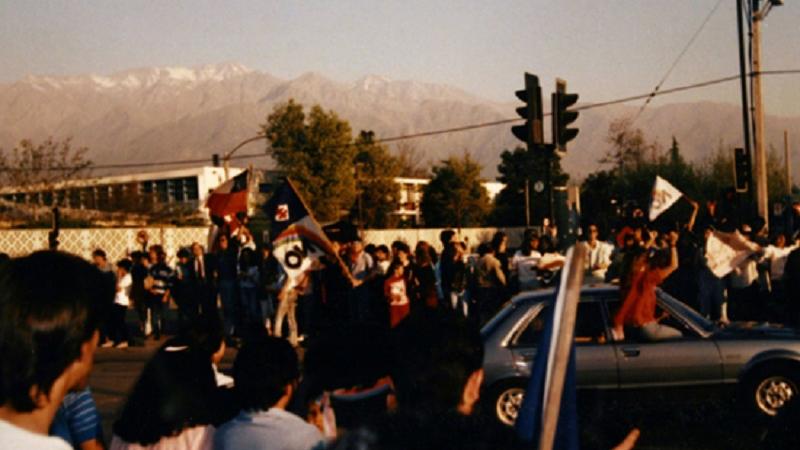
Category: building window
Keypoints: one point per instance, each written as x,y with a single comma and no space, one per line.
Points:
75,199
192,189
162,191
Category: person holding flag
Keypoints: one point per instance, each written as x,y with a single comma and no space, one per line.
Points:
298,241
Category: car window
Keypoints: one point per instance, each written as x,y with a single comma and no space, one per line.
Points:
531,332
589,325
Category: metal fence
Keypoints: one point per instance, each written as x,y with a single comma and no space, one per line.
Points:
116,242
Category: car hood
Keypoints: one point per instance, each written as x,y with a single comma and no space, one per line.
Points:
756,330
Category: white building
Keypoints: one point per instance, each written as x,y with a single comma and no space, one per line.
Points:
411,196
189,187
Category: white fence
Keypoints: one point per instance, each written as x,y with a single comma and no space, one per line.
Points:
118,242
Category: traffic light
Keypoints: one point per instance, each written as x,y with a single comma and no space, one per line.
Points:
531,131
743,173
215,160
562,117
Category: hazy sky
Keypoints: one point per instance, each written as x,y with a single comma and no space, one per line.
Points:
605,49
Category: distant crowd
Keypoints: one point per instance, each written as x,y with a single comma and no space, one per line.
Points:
393,356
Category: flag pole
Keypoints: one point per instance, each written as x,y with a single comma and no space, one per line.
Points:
568,294
340,262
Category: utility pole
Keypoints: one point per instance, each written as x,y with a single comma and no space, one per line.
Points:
758,116
788,162
743,78
759,138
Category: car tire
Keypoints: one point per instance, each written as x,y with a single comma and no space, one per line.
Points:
504,401
769,388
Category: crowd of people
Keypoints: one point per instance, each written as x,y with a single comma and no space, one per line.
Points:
392,355
381,284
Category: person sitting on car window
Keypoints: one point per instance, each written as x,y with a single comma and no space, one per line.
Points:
639,305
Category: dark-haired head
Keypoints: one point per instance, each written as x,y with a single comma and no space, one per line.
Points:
265,370
422,254
184,253
175,391
47,328
204,334
446,236
436,355
125,264
247,258
498,240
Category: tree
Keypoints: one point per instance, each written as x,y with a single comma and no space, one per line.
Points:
515,168
455,196
377,192
46,168
412,161
315,151
629,148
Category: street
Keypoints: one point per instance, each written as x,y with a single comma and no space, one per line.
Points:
693,423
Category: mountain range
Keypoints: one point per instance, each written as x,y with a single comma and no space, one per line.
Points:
175,113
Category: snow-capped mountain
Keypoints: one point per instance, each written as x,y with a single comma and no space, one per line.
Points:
173,113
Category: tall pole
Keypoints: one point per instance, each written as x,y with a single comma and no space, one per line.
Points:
527,203
743,80
758,116
787,159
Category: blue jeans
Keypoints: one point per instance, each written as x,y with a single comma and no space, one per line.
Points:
230,308
710,294
251,310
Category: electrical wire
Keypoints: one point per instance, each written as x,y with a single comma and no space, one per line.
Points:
676,61
584,107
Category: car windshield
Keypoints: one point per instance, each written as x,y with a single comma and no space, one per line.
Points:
695,318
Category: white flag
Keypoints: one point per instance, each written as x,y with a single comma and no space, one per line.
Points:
664,196
726,251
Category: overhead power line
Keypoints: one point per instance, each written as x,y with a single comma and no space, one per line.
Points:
584,107
677,60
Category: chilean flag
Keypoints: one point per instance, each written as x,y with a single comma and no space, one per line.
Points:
229,198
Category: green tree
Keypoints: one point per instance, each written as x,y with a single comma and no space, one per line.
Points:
377,194
315,151
455,196
515,168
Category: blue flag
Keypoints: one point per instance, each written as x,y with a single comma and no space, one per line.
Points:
529,420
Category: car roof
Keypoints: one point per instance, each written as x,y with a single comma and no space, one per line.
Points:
600,288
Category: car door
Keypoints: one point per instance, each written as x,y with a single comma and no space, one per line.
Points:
690,360
594,355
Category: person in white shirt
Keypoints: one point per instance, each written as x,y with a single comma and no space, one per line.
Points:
776,254
525,262
48,337
599,256
118,331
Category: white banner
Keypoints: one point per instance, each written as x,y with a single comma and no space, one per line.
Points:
726,251
664,196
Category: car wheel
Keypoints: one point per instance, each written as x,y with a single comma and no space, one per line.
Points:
769,389
506,402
